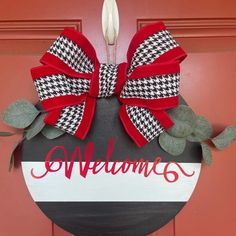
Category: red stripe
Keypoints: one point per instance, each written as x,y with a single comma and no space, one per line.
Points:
58,64
141,35
175,54
155,70
42,71
153,104
121,77
83,43
62,101
137,137
163,118
53,116
86,121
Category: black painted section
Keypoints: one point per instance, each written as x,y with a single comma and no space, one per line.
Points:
111,219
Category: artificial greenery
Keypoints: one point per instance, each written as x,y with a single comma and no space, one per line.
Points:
28,118
225,138
36,127
188,127
20,114
184,119
12,158
23,115
172,145
51,133
206,154
6,134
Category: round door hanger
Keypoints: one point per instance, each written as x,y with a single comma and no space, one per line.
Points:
105,184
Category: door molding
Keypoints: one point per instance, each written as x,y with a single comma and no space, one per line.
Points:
35,29
196,28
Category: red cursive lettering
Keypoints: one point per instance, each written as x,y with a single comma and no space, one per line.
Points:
170,172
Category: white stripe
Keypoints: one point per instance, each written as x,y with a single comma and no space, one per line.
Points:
104,187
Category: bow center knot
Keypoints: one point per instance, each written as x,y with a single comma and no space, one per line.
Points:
111,78
108,74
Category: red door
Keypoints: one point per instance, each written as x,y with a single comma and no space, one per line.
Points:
205,29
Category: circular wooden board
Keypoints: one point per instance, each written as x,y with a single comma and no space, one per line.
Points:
106,204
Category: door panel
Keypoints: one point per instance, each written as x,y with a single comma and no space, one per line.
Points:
57,231
205,29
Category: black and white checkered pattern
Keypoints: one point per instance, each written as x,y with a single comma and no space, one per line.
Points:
60,85
153,87
145,122
70,118
72,55
107,79
152,48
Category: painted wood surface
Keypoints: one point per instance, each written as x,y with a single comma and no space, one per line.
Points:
105,204
206,29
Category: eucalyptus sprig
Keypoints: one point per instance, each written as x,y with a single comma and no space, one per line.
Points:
28,118
190,127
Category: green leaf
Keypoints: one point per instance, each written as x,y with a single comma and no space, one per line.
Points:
6,134
11,162
12,159
225,138
35,127
172,145
206,154
183,113
51,132
20,114
39,106
180,129
202,131
184,119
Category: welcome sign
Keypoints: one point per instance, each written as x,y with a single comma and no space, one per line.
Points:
105,185
91,158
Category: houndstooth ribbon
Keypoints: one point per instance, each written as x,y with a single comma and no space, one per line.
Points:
71,79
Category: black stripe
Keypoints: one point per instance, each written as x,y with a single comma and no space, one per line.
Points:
111,218
106,125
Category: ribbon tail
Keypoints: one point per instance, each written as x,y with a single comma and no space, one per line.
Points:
130,128
75,120
163,118
143,125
